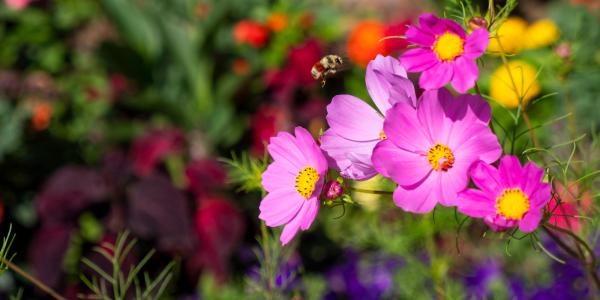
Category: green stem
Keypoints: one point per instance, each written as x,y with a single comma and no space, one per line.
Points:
376,192
33,280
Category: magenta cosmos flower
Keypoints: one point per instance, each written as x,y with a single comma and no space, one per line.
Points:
355,127
429,150
509,196
445,53
293,181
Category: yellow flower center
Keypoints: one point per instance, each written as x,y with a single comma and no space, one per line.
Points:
306,180
513,204
382,136
448,46
440,157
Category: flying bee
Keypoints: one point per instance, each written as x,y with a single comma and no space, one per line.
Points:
325,67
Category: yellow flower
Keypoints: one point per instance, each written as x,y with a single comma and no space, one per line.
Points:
509,37
541,34
520,83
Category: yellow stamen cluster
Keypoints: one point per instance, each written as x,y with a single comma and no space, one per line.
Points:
440,157
382,136
448,46
306,180
513,204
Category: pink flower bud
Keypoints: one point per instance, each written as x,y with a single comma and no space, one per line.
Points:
333,189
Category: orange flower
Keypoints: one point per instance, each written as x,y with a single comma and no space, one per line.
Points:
277,22
364,42
41,114
251,33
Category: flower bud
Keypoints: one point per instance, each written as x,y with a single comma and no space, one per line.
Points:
333,189
477,22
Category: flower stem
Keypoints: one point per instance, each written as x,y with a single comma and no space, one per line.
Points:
33,280
376,192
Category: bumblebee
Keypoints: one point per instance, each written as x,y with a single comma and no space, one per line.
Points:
325,67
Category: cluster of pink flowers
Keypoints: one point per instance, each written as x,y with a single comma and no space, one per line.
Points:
431,146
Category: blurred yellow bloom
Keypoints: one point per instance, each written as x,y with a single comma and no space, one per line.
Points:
541,34
520,83
509,37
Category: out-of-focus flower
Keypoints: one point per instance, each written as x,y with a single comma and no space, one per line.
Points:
512,195
17,4
119,84
47,251
40,84
367,278
240,66
67,192
364,42
277,22
592,5
510,37
355,127
41,113
293,181
428,151
251,33
148,150
395,29
296,72
204,175
445,53
563,50
478,282
513,82
286,278
266,122
157,210
219,227
541,34
10,83
572,204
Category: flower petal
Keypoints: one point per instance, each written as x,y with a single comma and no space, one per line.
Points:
418,59
290,230
353,119
486,177
483,144
453,181
417,36
419,198
280,206
530,221
432,116
404,167
385,78
311,213
510,171
476,43
276,177
437,76
313,154
284,150
475,203
403,129
351,158
465,74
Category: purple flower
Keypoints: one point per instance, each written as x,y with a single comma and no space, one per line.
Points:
445,53
355,127
294,181
478,282
429,150
509,196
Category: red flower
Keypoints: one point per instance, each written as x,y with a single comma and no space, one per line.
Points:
219,228
364,42
267,121
573,204
251,33
204,175
396,29
150,149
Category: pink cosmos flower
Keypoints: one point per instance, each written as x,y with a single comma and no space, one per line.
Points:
356,127
429,150
445,54
293,181
512,195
